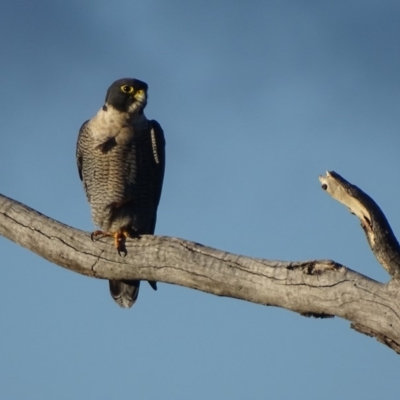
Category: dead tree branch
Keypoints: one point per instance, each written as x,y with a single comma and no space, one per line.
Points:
379,234
319,288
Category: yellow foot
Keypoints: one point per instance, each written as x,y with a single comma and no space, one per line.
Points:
119,241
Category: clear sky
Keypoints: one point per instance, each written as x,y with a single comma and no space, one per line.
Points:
256,98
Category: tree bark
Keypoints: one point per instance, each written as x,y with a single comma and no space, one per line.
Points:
317,288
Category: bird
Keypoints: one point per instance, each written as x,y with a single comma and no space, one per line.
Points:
120,156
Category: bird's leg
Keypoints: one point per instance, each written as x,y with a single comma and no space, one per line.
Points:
119,241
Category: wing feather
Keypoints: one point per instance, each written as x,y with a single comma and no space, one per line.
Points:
79,147
158,144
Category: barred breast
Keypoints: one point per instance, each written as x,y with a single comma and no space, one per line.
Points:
117,171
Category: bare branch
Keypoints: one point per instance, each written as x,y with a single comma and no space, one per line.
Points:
319,288
379,234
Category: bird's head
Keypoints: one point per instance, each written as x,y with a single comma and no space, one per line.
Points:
127,95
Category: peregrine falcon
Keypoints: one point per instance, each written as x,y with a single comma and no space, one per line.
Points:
121,158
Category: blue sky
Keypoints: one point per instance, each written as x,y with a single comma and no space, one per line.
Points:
256,99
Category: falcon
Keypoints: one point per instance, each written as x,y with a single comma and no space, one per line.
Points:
121,158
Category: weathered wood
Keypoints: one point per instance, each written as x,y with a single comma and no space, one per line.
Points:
319,288
377,229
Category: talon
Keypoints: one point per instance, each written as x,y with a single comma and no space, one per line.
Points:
119,239
122,252
98,235
119,243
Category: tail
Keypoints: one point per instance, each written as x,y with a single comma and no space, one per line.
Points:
125,293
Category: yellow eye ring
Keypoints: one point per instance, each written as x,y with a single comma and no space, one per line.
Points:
127,89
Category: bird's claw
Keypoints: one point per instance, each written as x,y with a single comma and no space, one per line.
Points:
119,242
98,235
122,252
